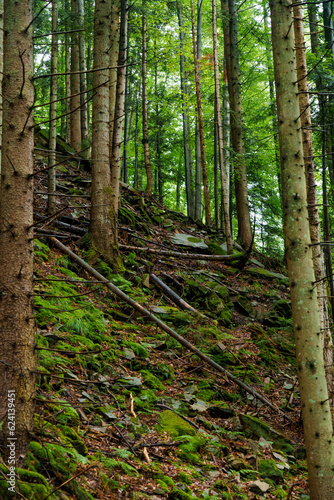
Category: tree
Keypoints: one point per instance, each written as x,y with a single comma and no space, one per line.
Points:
200,123
53,110
316,413
17,367
225,191
237,132
104,236
75,121
149,178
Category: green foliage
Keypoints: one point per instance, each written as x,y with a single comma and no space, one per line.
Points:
41,250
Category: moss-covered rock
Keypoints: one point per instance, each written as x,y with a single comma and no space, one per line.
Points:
174,425
268,469
253,426
74,439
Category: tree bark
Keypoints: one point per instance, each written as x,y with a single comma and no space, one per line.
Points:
103,233
75,121
198,163
238,139
186,146
53,111
224,178
68,26
200,123
147,162
113,60
1,74
318,430
313,210
83,84
17,367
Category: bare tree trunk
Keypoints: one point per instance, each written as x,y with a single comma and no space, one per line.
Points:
149,178
238,139
186,147
1,75
226,148
318,430
83,85
215,167
200,123
198,164
75,84
103,233
17,342
119,112
67,76
313,210
158,130
135,177
113,60
224,179
53,111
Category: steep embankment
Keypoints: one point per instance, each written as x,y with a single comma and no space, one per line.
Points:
123,410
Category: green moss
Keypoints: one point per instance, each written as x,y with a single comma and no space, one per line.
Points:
168,480
41,250
268,469
181,495
152,381
206,394
216,249
255,427
138,349
184,478
29,483
74,439
162,485
174,425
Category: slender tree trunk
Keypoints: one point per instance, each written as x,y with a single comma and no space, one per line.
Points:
226,148
314,28
17,342
318,430
149,178
135,177
67,76
215,166
313,210
328,25
237,132
200,123
1,74
119,111
83,85
104,236
187,151
124,172
75,84
53,111
198,164
113,60
224,178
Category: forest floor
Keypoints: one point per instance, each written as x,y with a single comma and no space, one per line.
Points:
123,410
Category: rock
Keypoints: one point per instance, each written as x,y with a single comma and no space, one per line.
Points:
129,354
130,381
255,427
237,463
268,274
189,241
244,306
221,410
259,487
269,469
174,425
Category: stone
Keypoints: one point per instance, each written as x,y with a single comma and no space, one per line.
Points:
259,487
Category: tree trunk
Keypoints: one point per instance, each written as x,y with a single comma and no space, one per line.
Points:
75,84
316,412
215,167
224,178
113,60
1,73
237,132
17,369
200,123
104,236
68,26
198,164
83,85
313,210
135,176
328,25
186,147
115,163
149,178
314,29
53,111
226,148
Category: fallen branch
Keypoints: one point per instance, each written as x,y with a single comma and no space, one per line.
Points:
184,255
69,480
172,295
162,405
165,327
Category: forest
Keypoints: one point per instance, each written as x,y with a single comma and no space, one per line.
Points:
166,275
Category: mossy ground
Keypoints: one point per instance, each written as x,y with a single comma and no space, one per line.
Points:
110,382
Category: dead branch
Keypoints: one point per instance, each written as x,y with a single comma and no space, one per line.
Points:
183,255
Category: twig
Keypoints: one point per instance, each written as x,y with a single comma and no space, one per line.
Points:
71,479
132,411
147,458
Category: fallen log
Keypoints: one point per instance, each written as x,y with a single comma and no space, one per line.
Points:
184,255
165,327
172,295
